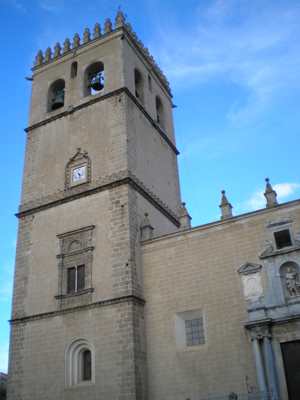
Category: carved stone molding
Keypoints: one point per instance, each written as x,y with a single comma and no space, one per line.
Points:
260,332
249,268
80,158
252,281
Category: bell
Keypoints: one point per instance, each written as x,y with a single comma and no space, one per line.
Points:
97,82
58,99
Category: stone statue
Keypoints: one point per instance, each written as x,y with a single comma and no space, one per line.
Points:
291,282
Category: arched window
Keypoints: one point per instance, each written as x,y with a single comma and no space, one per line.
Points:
139,85
74,68
56,95
160,118
85,360
79,363
94,79
290,278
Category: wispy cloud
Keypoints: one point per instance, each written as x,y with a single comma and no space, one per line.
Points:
251,44
52,6
284,191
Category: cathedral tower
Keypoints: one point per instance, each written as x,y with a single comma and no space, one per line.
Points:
100,159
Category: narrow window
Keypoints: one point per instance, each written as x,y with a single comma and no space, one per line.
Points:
74,67
138,82
86,364
160,118
75,279
283,239
194,332
80,363
56,95
94,79
80,277
71,280
150,83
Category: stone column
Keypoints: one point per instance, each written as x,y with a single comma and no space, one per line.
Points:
255,338
270,366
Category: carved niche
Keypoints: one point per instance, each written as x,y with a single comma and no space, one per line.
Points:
290,278
251,281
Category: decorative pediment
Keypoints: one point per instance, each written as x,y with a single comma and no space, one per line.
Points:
279,222
79,156
249,268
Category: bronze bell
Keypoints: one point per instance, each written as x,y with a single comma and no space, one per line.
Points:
97,81
58,99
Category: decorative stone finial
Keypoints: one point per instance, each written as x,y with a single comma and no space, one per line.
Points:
146,228
184,217
57,50
86,35
225,206
67,45
120,19
39,58
76,41
107,26
48,54
270,195
97,31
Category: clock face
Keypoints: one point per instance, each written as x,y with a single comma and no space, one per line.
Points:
79,174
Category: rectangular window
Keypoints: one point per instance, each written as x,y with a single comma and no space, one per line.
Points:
194,332
283,238
75,279
71,280
80,277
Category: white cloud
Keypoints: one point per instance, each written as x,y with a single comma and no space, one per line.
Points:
283,190
249,44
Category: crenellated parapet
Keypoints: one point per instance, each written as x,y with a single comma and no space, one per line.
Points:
68,47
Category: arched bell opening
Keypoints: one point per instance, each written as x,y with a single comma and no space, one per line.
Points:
94,79
56,95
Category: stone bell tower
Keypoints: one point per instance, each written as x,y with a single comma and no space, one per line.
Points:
100,155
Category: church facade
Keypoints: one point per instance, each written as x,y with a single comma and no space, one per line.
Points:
116,296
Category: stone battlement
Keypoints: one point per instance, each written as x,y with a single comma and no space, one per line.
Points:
60,51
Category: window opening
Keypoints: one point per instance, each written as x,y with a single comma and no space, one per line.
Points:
74,68
138,82
159,112
75,279
283,239
194,332
150,83
86,365
94,79
56,95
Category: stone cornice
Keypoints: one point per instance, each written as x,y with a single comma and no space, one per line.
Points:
214,224
102,303
99,98
266,322
115,180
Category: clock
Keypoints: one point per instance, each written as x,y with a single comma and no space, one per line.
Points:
78,174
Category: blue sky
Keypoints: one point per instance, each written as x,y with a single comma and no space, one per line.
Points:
234,68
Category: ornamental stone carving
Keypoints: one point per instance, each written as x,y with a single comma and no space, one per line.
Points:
290,279
251,280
